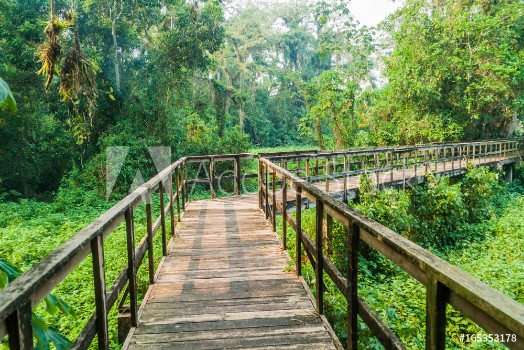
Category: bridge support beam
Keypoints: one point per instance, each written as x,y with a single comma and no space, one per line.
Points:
509,169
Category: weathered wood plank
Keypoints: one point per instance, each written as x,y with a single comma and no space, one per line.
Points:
230,333
288,339
247,307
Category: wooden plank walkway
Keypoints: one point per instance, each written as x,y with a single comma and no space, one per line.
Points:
226,284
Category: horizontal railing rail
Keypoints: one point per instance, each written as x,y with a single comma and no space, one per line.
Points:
445,284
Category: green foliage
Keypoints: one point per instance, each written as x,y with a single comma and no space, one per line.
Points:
439,214
389,205
7,101
479,187
43,333
456,66
196,33
332,100
51,224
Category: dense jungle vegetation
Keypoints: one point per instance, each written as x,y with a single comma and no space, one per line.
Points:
209,76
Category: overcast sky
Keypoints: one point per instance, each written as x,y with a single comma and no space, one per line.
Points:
372,12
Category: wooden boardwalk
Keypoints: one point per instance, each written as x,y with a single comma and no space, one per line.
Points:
226,283
396,178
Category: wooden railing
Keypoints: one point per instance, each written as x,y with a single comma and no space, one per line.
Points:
384,161
445,284
172,184
470,296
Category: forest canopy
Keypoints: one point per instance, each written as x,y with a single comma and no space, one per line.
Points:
223,76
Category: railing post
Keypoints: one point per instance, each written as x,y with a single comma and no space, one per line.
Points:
20,328
274,202
435,315
97,251
186,175
307,169
298,244
184,188
391,165
237,175
212,176
131,266
352,292
150,256
345,198
260,182
177,183
298,166
163,217
416,160
377,164
319,271
435,158
460,156
284,212
444,157
404,171
267,191
316,167
452,158
171,206
327,174
426,160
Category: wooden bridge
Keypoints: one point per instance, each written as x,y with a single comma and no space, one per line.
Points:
226,280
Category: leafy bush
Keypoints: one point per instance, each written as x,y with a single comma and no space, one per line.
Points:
479,186
439,214
43,332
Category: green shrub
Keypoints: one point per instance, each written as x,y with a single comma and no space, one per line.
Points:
439,214
479,186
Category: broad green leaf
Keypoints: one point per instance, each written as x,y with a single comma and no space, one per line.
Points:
64,307
51,304
7,101
58,339
40,332
10,270
4,279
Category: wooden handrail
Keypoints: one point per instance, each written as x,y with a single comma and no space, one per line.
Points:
445,283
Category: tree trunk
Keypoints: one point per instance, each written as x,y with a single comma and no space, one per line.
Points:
320,136
513,125
115,45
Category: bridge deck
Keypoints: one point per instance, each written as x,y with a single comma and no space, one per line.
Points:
225,284
407,177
